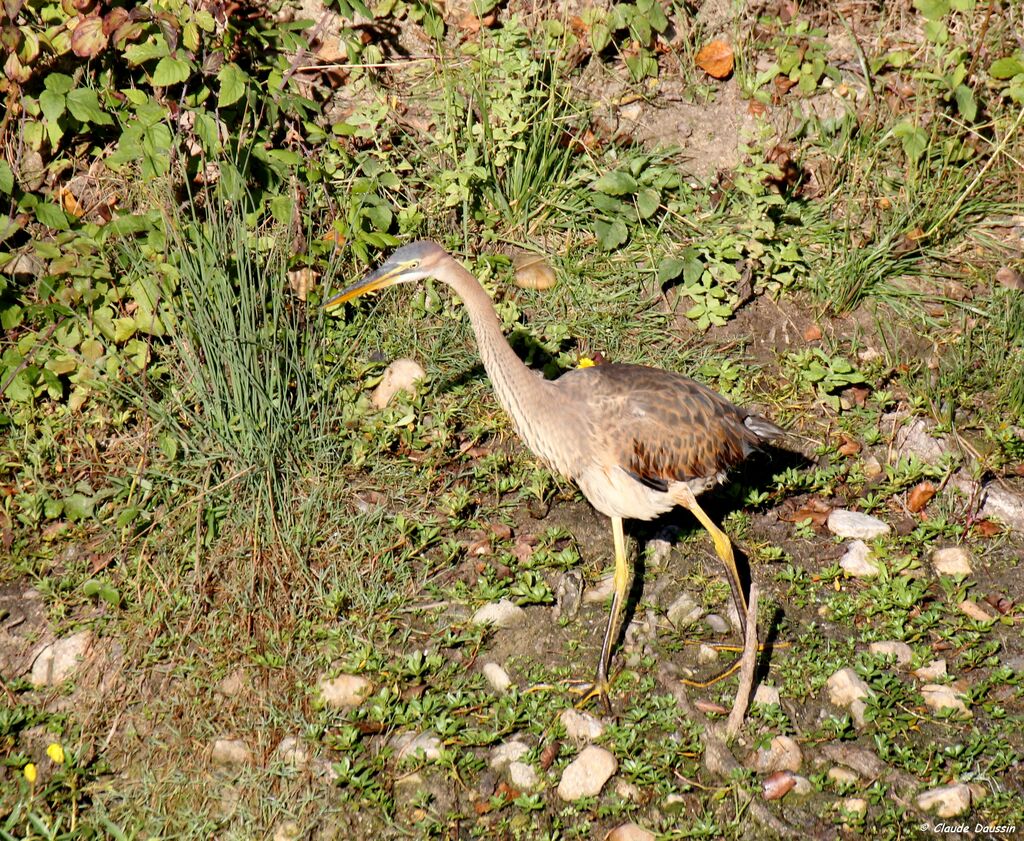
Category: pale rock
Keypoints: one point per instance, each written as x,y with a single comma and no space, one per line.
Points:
845,687
630,832
975,611
765,694
292,752
344,691
581,727
842,776
506,753
230,752
500,614
232,684
940,697
855,806
706,654
600,592
872,468
522,776
914,438
716,623
568,595
586,775
893,648
400,375
684,611
783,754
628,791
1004,505
425,745
287,831
858,561
947,801
60,659
952,560
802,786
854,524
931,671
858,712
497,677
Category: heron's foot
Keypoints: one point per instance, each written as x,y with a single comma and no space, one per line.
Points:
732,668
589,690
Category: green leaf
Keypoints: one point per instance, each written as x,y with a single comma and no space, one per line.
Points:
647,202
52,216
600,36
913,138
232,84
936,31
932,9
965,103
58,83
92,587
611,234
171,71
669,269
1006,68
78,506
84,105
616,183
6,178
51,104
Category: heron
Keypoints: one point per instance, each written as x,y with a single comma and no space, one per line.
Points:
637,441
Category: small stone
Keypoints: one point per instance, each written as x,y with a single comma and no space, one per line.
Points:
931,671
631,113
344,691
858,711
230,752
60,659
568,595
783,754
581,727
940,697
232,684
497,677
506,753
1004,505
945,801
586,775
856,525
953,560
684,611
717,624
287,831
857,806
522,776
845,687
975,611
628,792
872,468
706,654
400,375
858,561
292,752
630,832
500,614
802,786
600,592
893,648
765,694
426,745
842,776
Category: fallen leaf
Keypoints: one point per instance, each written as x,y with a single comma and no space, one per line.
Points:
920,496
756,109
783,84
1000,603
301,281
70,203
715,59
986,528
814,509
710,707
849,447
812,333
549,755
778,785
501,531
1010,278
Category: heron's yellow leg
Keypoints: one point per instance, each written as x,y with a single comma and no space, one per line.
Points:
723,548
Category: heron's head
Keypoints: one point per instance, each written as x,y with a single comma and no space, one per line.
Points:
410,262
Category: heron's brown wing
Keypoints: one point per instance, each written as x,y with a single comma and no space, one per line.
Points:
659,426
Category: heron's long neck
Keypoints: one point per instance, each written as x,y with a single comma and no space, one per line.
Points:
530,400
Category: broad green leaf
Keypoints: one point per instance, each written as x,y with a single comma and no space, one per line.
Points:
932,9
139,53
52,216
600,36
6,178
647,202
608,204
611,234
913,138
171,71
936,31
669,269
616,183
965,103
1006,68
206,131
58,83
84,105
78,506
232,84
52,106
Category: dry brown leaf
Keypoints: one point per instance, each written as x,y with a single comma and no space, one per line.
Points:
986,528
814,509
89,38
708,707
812,333
778,785
715,59
1010,278
849,447
1000,603
301,281
549,755
920,496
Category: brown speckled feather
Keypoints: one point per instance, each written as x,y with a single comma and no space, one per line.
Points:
662,427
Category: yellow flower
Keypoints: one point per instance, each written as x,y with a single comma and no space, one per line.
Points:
586,362
56,753
30,773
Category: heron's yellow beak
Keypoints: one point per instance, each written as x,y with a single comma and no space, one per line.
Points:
387,275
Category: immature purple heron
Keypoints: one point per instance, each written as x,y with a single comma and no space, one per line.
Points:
637,441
